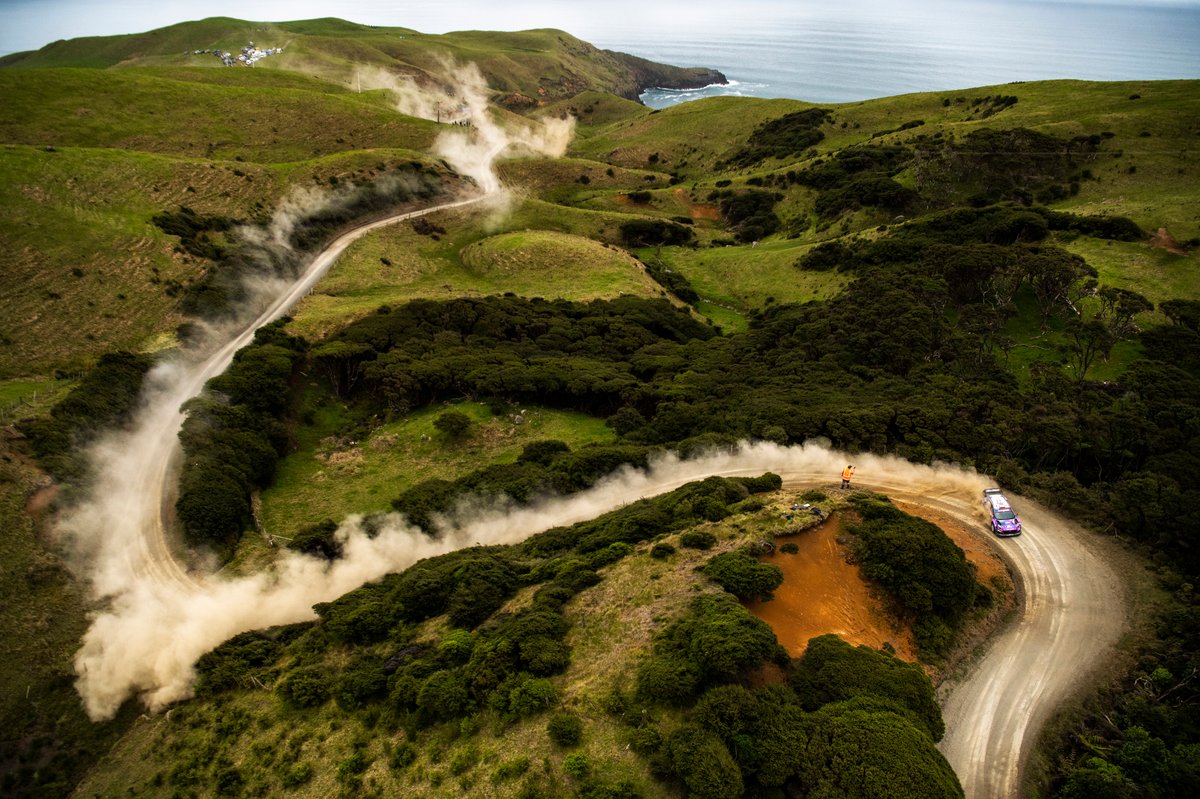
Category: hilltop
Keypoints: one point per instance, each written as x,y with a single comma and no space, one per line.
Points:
525,69
1003,277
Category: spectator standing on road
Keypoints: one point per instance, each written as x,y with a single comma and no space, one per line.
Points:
847,473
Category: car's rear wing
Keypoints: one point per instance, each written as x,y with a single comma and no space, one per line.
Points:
987,492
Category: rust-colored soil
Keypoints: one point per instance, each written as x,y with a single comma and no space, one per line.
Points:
822,593
697,210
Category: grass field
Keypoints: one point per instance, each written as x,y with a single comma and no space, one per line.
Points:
397,264
741,279
147,111
330,477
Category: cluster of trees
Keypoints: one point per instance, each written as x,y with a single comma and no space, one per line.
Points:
751,214
233,438
850,722
654,232
782,137
859,176
578,355
925,573
990,165
105,398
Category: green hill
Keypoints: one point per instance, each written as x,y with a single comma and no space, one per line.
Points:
536,66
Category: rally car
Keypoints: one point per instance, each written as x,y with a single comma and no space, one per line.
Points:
1004,519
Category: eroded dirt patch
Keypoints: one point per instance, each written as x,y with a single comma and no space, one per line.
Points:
698,210
822,593
1163,240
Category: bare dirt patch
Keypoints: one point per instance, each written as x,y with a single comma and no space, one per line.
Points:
823,593
1163,240
698,210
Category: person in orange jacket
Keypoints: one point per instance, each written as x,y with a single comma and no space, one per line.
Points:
847,473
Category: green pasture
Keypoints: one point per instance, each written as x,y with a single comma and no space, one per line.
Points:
329,476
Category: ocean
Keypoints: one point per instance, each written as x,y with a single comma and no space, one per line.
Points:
855,51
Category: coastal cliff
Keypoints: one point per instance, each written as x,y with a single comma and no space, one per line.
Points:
652,75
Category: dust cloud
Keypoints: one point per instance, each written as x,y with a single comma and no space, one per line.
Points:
478,134
151,638
155,619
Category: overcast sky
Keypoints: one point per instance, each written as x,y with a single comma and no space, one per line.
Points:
30,24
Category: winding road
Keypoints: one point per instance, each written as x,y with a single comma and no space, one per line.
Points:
1070,618
162,444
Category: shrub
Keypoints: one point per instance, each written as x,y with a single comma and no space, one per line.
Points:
542,452
662,550
359,684
530,696
697,539
716,640
510,770
565,729
742,575
856,749
790,548
443,696
651,232
704,764
402,756
304,687
576,765
295,775
832,670
454,424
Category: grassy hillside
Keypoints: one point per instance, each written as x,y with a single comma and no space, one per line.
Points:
264,742
525,68
272,121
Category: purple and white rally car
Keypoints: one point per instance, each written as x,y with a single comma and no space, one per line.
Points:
1004,520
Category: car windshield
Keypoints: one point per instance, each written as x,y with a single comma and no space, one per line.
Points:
1005,515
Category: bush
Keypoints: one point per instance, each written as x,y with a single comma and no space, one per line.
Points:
716,640
742,575
442,697
790,548
565,729
576,765
530,697
652,232
704,764
304,687
662,550
697,539
454,424
832,670
542,452
857,750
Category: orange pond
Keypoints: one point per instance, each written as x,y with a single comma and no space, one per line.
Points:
821,593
